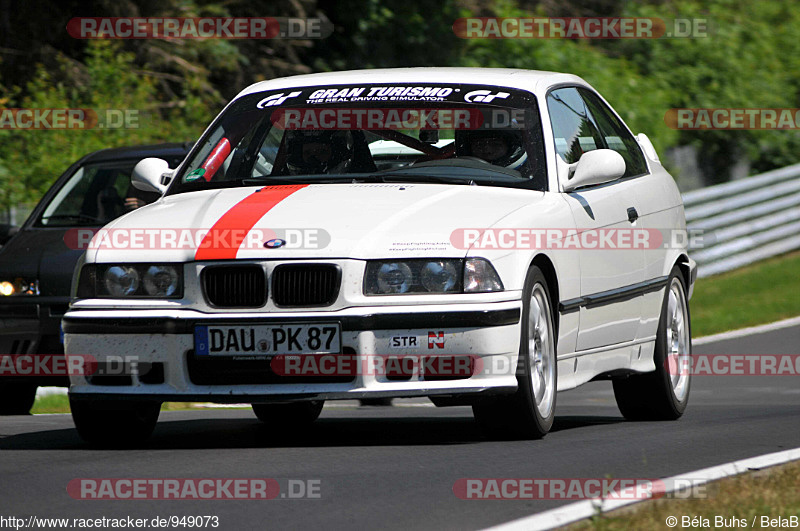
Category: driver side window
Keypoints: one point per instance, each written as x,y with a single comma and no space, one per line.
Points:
615,135
574,129
582,122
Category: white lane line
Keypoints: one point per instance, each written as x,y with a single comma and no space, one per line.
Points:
573,512
733,334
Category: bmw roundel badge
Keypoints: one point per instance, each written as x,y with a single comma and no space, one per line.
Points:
274,243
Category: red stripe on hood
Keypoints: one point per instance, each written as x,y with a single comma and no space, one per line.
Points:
241,218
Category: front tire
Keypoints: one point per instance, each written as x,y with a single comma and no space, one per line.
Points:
291,415
528,413
16,398
664,393
114,424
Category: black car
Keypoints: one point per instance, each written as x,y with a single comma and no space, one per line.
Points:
37,259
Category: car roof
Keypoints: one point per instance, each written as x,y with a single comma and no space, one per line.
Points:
505,77
152,150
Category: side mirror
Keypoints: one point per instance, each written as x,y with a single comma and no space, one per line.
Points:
595,167
7,232
147,175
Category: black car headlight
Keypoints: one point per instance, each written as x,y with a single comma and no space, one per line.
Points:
19,286
416,276
158,281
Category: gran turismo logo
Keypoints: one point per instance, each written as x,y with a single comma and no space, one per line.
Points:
483,96
276,99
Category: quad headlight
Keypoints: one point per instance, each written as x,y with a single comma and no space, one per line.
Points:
162,281
121,281
417,276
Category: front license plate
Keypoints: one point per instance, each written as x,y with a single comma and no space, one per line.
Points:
267,340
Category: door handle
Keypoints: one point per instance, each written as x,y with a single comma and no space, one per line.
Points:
632,214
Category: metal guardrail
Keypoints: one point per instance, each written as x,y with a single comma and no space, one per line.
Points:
741,222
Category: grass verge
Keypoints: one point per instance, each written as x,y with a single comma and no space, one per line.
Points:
771,493
760,293
60,404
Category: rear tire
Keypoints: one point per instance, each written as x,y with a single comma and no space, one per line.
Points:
114,424
17,398
528,413
664,393
291,415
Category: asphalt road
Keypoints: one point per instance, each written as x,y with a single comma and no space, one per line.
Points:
394,467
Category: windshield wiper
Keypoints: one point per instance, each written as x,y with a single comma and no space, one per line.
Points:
459,172
399,176
324,178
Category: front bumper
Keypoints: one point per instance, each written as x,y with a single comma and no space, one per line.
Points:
488,333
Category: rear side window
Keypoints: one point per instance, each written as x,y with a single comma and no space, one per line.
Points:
581,122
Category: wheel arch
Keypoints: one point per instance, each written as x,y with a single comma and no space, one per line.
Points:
543,262
683,264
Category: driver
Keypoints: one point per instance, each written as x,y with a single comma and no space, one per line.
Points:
314,152
500,148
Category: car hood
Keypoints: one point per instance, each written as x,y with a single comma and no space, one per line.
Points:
316,221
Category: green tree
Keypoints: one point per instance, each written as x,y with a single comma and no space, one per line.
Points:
32,158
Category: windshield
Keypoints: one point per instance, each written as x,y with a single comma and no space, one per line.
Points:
94,195
460,134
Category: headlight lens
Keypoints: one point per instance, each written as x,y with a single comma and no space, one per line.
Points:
417,276
480,276
19,286
395,277
441,276
6,288
161,280
121,281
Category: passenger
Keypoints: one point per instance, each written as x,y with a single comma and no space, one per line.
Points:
500,148
315,152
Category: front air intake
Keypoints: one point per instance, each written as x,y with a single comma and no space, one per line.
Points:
305,285
235,286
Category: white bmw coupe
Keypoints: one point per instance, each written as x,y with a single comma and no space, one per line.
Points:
481,237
